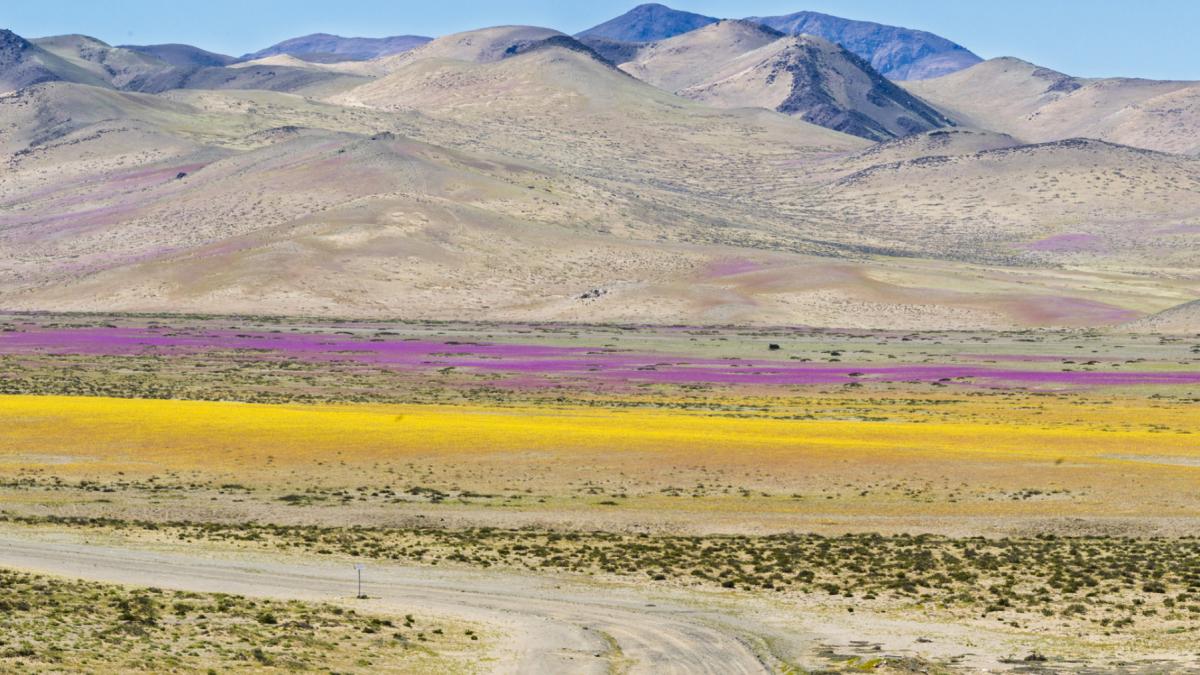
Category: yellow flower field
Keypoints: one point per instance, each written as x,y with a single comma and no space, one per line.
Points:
554,451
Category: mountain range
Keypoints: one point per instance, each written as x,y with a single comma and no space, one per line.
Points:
734,64
896,53
732,173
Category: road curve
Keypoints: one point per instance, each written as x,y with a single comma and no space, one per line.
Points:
551,625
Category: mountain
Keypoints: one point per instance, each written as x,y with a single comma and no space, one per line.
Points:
512,172
156,69
324,47
897,53
182,56
647,23
484,46
697,57
297,77
23,63
734,64
613,51
1037,104
119,67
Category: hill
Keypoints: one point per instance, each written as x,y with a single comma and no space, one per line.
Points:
86,60
897,53
734,64
1038,104
1184,319
487,45
323,47
182,56
23,63
120,68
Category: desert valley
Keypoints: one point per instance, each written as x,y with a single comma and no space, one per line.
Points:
681,344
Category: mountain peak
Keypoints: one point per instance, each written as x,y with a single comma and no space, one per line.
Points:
648,23
736,64
897,53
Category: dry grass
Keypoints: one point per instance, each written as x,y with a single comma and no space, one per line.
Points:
49,624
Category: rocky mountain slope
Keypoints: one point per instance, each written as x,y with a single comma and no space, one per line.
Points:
1038,104
734,64
897,53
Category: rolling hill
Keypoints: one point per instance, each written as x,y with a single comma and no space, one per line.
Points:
120,68
323,47
23,63
183,56
1184,319
1038,104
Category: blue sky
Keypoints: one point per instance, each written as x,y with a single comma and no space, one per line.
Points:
1143,38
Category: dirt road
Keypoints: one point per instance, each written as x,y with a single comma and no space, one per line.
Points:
550,625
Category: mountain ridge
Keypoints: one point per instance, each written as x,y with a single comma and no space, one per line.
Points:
736,63
325,47
1038,104
896,52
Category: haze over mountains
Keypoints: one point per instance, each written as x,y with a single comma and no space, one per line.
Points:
711,171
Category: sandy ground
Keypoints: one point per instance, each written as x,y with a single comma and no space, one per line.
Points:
570,624
552,627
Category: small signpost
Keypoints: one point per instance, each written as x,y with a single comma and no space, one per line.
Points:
359,567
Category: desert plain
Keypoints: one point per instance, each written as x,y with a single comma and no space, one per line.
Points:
792,344
804,499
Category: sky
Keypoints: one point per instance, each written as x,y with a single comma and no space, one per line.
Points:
1087,38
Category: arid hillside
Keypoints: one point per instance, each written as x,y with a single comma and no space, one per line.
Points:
1037,104
737,64
515,173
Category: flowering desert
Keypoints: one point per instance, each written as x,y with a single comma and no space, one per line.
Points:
828,500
